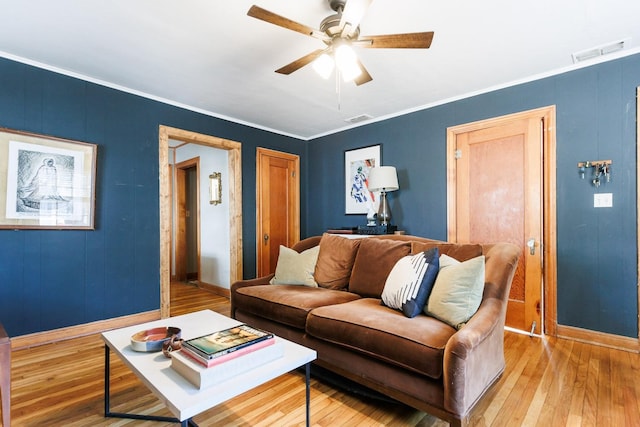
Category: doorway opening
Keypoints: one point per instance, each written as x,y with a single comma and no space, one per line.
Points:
234,203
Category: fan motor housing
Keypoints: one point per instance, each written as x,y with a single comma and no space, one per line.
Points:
331,25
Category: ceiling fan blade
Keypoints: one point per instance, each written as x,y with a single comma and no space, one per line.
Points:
364,77
301,62
275,19
407,41
354,11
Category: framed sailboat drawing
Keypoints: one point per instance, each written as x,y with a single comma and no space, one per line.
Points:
48,182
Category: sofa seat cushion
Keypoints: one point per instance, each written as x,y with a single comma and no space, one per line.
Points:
378,331
288,304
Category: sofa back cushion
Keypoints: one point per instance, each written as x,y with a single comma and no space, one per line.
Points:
335,261
374,261
458,251
307,243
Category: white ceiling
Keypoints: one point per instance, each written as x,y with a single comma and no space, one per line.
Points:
209,56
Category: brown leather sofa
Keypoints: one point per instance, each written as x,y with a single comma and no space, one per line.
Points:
420,361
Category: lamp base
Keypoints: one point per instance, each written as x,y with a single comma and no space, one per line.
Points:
384,212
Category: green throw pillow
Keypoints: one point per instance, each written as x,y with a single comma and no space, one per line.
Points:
295,268
457,292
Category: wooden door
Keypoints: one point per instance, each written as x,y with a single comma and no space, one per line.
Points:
496,193
187,221
180,227
278,206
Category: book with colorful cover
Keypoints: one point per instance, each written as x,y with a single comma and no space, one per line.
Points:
208,363
219,343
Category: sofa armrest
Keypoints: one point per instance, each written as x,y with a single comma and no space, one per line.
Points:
301,246
264,280
474,356
244,283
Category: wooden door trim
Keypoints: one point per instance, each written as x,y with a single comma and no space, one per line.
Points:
549,268
294,209
235,204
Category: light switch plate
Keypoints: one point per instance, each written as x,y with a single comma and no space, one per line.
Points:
603,200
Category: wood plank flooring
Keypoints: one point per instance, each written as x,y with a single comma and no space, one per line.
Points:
547,383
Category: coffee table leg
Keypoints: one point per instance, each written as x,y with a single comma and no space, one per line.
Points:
107,376
109,414
307,369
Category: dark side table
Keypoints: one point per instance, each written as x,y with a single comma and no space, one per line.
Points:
5,376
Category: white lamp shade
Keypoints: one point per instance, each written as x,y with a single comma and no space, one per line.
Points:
383,178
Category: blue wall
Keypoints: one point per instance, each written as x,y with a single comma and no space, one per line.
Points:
51,279
596,111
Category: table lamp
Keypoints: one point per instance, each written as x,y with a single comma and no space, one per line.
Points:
383,179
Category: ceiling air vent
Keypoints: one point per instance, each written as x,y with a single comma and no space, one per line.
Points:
598,51
358,119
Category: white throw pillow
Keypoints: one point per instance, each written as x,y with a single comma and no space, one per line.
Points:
457,292
295,268
410,281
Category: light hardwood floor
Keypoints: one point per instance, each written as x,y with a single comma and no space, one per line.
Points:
547,383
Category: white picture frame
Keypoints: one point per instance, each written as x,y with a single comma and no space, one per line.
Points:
357,164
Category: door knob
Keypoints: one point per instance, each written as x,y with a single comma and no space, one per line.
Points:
531,243
265,237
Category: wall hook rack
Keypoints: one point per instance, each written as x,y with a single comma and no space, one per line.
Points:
601,170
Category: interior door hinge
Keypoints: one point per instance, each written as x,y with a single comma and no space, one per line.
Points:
293,174
458,154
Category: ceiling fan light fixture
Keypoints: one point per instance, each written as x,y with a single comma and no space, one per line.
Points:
340,32
324,65
347,62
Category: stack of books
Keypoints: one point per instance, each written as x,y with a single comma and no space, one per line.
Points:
220,356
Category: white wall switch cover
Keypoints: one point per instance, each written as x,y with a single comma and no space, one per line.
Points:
602,200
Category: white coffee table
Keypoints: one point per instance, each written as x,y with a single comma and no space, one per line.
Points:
182,398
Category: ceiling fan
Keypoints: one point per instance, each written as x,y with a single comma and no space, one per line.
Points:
340,32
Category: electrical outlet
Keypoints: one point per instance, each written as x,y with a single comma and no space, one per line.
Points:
602,200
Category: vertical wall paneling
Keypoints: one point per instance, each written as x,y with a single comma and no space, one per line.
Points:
52,279
115,269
